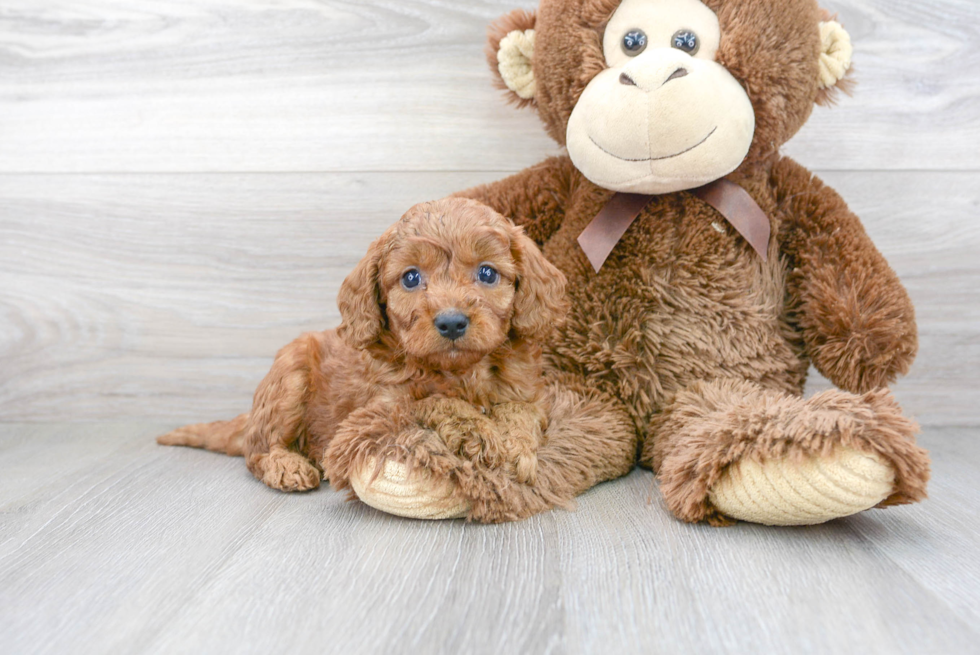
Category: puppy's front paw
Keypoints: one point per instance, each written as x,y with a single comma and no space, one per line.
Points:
522,428
285,470
526,469
466,430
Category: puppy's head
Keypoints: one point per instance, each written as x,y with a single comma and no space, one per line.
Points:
449,283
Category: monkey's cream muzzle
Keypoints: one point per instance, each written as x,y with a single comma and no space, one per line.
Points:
663,122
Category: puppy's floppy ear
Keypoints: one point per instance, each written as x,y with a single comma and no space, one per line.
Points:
540,304
359,300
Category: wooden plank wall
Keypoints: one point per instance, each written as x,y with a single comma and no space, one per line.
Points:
184,185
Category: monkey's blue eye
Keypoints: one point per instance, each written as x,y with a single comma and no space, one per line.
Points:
634,42
488,274
411,278
686,41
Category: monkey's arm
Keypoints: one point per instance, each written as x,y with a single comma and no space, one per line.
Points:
857,320
535,198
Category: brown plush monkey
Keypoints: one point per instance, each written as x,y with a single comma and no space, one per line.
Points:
698,305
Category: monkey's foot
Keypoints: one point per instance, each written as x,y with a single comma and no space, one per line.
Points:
413,494
729,449
815,490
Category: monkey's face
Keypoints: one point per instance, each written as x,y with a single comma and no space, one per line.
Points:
664,115
656,96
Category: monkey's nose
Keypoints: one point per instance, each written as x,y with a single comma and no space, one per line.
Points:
451,323
680,72
650,80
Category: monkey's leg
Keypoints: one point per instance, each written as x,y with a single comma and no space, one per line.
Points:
589,439
277,425
729,449
390,460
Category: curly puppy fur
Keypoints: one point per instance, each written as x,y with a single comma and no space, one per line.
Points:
388,383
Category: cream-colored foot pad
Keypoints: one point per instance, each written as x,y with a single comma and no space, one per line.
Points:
415,496
778,492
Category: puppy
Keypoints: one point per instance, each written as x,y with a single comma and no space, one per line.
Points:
439,339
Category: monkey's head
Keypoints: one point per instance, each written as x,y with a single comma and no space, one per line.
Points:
655,96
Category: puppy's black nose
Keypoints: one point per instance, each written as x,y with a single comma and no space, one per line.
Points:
452,323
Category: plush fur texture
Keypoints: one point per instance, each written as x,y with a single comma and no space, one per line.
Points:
387,385
700,343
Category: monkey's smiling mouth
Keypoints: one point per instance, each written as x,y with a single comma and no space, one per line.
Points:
677,154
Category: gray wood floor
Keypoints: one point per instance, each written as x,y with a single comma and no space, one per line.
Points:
184,185
112,544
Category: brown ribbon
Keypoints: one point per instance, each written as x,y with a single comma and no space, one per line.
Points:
602,234
730,200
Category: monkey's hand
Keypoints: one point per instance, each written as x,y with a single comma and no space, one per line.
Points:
856,319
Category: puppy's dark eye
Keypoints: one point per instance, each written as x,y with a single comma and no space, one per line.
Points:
488,274
686,41
634,42
411,278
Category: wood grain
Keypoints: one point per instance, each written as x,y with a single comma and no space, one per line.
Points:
161,550
166,296
396,85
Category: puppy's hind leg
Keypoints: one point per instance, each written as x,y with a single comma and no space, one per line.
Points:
277,427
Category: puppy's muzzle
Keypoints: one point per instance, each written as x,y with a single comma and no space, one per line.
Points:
451,323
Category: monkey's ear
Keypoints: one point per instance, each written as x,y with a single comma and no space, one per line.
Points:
510,54
359,300
835,61
540,304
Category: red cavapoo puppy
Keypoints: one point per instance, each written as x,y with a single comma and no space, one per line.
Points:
439,337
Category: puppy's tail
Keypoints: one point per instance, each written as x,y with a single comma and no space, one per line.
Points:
221,436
